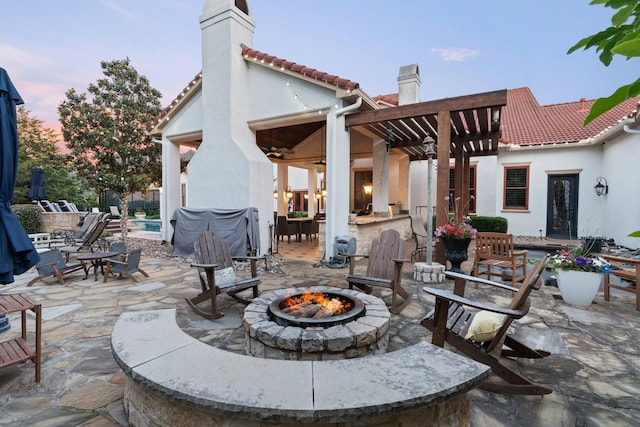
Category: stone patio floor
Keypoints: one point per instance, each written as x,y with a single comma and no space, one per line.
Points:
594,368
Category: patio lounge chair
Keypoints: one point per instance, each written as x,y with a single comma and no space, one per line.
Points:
73,236
217,276
52,264
126,266
91,240
384,268
482,335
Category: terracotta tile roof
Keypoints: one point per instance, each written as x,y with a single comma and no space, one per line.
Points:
390,100
525,122
194,82
283,64
270,60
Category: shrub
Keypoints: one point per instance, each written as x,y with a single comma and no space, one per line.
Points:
495,224
29,217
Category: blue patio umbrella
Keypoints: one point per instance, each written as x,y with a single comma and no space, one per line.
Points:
36,190
17,253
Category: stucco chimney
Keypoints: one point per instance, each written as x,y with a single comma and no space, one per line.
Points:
409,85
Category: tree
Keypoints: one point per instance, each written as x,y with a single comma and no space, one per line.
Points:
37,148
621,38
106,132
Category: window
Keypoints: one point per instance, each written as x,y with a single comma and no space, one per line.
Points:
472,189
516,187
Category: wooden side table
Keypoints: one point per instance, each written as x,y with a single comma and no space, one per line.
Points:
18,350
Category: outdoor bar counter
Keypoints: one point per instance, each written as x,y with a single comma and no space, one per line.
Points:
367,227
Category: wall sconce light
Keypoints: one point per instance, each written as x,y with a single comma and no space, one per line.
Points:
324,192
306,196
275,194
368,189
318,193
601,187
289,193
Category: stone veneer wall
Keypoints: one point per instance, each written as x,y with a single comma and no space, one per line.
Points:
147,407
365,336
53,221
367,228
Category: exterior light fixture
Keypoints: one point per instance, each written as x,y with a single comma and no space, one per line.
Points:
601,187
289,193
368,189
275,194
429,146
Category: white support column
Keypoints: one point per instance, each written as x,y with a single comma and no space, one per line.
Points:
312,180
338,175
283,183
170,186
380,178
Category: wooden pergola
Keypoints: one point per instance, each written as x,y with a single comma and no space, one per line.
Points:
463,127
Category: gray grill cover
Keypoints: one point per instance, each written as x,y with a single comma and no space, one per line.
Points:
237,226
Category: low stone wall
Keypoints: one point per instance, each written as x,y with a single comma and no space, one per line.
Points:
174,379
54,221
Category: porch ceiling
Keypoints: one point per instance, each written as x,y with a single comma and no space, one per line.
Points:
475,123
475,127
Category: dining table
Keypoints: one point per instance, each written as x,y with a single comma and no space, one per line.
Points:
299,221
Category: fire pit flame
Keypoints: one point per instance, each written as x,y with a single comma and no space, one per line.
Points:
315,308
315,305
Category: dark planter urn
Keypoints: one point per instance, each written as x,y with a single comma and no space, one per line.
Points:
455,251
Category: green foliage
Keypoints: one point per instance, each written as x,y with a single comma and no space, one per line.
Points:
106,131
37,148
621,38
635,234
29,217
496,224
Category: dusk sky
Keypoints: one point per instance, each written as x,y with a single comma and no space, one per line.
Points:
461,46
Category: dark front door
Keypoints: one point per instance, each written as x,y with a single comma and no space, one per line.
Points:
562,206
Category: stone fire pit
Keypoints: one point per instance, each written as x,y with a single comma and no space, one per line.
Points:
364,336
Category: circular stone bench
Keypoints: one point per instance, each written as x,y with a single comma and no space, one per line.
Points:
174,379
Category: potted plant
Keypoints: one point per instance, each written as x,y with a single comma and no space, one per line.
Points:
456,235
579,274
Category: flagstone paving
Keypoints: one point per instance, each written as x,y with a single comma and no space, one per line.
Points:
594,368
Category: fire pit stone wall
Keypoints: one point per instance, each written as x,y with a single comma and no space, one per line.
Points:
365,336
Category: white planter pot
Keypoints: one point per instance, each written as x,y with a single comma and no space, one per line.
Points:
578,287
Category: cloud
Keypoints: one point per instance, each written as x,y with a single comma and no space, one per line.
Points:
20,59
456,54
118,9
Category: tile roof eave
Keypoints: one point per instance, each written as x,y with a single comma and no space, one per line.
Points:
155,129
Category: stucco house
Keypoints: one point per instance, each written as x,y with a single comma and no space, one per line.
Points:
248,110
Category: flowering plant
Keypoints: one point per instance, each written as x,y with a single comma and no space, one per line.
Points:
578,260
457,226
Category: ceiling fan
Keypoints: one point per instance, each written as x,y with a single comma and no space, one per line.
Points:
276,152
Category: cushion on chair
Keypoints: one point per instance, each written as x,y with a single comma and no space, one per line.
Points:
484,326
225,276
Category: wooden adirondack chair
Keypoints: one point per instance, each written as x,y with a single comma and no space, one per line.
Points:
52,264
125,266
496,250
217,276
384,268
487,341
